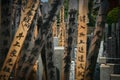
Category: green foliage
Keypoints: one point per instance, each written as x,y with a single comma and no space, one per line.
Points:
66,3
92,19
112,16
91,15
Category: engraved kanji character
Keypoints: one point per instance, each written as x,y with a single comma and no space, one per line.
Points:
81,66
9,61
20,35
17,44
3,77
26,19
82,27
81,42
29,13
13,53
81,34
80,58
6,69
80,73
81,49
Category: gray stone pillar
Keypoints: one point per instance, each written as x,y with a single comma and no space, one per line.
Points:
104,72
58,57
55,41
40,69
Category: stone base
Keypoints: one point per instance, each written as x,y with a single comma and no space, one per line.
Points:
115,77
104,72
102,60
55,41
58,57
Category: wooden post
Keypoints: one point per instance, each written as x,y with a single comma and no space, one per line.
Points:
69,44
54,28
16,15
50,65
33,74
27,47
69,48
95,43
26,19
40,41
28,44
5,29
62,29
82,40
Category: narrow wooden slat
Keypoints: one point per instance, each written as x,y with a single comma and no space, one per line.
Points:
54,28
69,43
5,30
25,22
40,41
82,39
62,29
96,40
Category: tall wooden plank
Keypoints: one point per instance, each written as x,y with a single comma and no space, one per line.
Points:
45,28
62,29
25,22
49,51
69,44
28,43
82,39
50,64
95,43
54,28
5,30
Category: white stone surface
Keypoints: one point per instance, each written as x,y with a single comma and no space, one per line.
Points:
111,67
55,41
104,72
100,54
58,57
40,69
115,76
72,70
102,60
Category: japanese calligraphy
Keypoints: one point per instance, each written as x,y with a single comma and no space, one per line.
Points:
26,20
13,53
17,44
20,35
82,39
